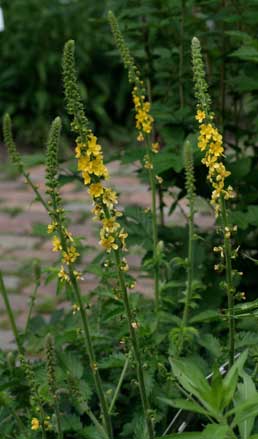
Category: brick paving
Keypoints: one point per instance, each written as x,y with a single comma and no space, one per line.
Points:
21,241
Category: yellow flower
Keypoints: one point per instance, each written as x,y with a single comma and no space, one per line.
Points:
56,244
63,276
80,147
35,424
108,242
68,235
122,236
98,212
124,265
51,227
92,147
84,163
200,116
86,177
155,147
70,256
140,137
109,198
110,225
97,167
96,189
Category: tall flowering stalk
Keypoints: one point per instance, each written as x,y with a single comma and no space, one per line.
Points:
144,125
210,142
63,242
51,376
190,190
112,235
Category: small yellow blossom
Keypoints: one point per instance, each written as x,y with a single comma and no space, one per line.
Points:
63,276
110,224
51,227
108,242
96,190
70,255
155,147
56,244
200,116
35,424
109,198
122,236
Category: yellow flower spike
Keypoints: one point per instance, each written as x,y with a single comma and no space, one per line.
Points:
35,424
56,244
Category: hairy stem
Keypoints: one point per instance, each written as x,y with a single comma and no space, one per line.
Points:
154,223
10,315
118,387
135,346
189,274
181,55
229,286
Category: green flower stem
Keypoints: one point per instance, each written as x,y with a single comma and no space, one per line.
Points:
32,302
118,387
230,288
58,419
154,222
135,346
35,189
95,421
189,274
10,315
181,55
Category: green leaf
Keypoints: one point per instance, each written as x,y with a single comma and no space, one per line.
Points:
215,431
184,404
183,436
165,161
231,379
194,382
246,53
205,316
245,410
246,390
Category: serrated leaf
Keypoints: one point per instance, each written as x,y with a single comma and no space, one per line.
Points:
194,382
246,390
231,379
184,404
206,316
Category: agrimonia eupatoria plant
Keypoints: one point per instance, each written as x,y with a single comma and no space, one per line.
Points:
64,242
112,236
190,190
210,142
144,125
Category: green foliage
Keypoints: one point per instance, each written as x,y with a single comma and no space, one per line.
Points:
146,379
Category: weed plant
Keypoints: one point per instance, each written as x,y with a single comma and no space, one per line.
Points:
118,365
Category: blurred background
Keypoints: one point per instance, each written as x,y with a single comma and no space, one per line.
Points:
159,32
